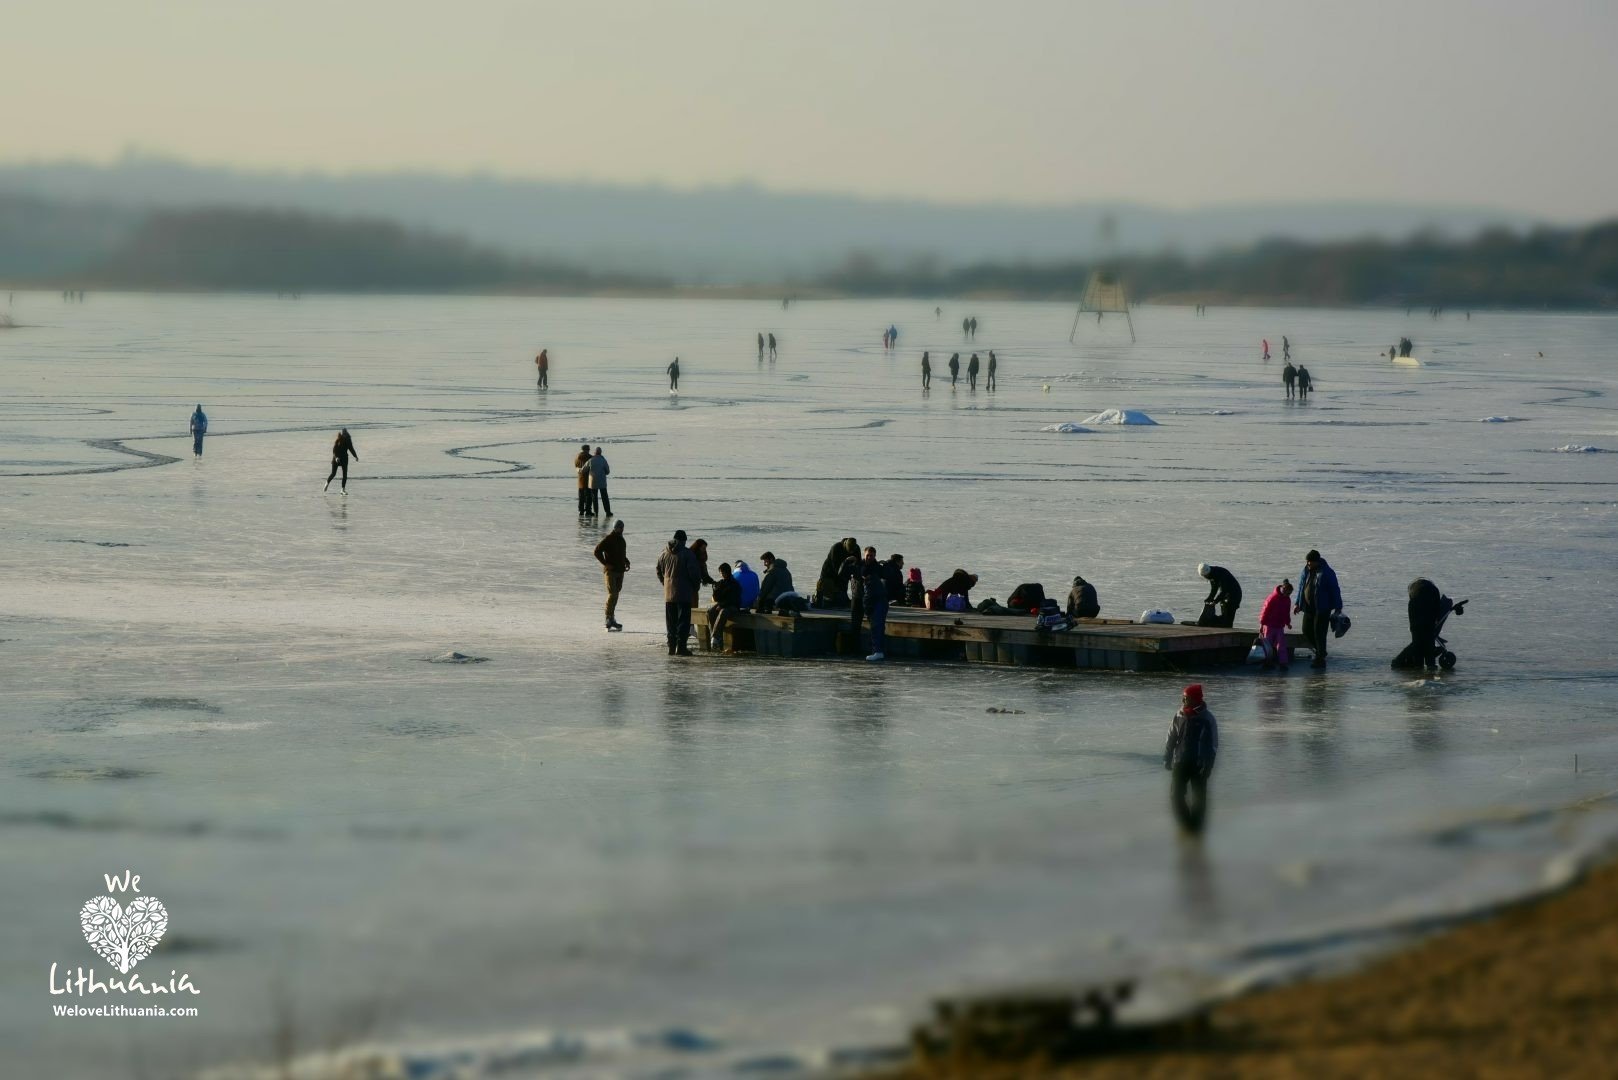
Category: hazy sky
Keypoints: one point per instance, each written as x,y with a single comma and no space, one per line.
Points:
1503,104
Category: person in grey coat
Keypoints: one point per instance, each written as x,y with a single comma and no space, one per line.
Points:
677,569
1189,754
599,470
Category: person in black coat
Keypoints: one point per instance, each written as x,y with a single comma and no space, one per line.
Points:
1224,593
727,601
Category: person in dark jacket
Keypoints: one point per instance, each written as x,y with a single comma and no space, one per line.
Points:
727,601
1289,376
1426,610
926,372
954,368
915,593
199,428
1081,600
851,581
341,450
777,579
677,569
893,577
699,551
674,375
1224,593
972,372
612,553
959,584
599,470
1305,382
1319,599
874,593
1189,754
830,592
993,364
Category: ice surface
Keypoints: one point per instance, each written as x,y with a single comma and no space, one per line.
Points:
213,672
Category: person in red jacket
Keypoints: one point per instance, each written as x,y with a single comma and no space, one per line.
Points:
1189,754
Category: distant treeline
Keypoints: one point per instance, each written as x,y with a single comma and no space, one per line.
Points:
263,250
1572,268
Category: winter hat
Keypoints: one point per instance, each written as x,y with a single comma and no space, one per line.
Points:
1193,694
915,574
1202,569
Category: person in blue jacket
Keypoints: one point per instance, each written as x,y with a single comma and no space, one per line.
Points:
1318,598
199,428
748,580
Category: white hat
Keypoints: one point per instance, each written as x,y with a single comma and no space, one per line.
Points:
1202,569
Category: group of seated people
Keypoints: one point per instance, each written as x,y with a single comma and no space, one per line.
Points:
845,580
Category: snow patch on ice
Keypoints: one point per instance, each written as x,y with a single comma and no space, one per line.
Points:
1501,420
456,658
1122,416
1578,448
1068,428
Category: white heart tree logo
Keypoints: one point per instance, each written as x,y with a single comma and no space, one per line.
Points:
124,936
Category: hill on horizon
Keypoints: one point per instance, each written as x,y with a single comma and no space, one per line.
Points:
732,234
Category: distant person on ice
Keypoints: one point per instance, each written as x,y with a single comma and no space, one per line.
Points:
1305,383
761,345
772,346
599,470
543,363
993,363
1289,376
954,369
972,372
1224,594
341,449
1286,348
1266,348
674,375
1189,754
581,466
926,372
199,428
612,553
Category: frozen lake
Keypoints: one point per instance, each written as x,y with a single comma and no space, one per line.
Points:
213,672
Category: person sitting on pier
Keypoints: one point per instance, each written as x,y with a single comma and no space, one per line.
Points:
777,580
1224,592
958,584
915,593
748,580
727,600
1081,601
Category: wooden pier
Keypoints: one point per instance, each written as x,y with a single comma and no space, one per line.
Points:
967,637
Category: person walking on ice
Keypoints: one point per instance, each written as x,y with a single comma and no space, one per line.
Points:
341,450
926,371
993,363
199,428
543,363
599,470
674,376
1189,754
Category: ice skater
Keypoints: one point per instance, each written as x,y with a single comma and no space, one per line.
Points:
1189,754
674,376
199,428
342,448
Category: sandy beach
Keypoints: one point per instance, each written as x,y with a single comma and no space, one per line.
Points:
1529,992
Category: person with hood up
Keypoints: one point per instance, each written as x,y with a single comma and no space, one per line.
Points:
874,593
830,590
199,428
893,577
542,363
1224,593
1306,382
972,372
1081,600
954,369
341,449
727,600
1319,599
777,580
1274,619
1427,608
959,584
678,571
1189,754
599,470
747,581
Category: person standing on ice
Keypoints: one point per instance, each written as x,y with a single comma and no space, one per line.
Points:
678,572
926,372
1189,754
1305,382
199,428
972,372
954,369
599,470
1319,599
613,555
341,450
542,364
772,346
1289,375
674,376
993,363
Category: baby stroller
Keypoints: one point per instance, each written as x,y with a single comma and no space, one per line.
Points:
1429,610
